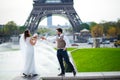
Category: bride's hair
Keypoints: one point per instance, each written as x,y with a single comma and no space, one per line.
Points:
26,34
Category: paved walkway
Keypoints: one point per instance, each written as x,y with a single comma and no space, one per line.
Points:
11,66
12,60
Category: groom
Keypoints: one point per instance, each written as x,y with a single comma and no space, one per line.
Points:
62,52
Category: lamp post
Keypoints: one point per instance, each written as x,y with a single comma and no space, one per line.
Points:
96,41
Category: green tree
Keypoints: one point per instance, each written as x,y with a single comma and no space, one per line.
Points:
106,26
112,32
97,31
21,29
92,24
85,26
43,30
10,28
1,30
118,27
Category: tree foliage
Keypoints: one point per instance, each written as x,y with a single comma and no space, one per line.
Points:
21,29
43,30
10,28
92,24
111,29
112,32
97,31
85,26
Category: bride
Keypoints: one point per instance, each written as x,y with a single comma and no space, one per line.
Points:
27,46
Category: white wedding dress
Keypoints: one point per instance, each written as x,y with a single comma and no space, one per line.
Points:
29,66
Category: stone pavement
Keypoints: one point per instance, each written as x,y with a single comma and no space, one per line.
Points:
12,62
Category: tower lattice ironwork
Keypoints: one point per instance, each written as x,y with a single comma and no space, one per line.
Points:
42,8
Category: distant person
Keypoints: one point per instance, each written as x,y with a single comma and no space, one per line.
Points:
27,46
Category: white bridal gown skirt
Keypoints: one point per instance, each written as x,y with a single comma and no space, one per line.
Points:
29,66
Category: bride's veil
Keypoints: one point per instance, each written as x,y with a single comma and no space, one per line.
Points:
22,44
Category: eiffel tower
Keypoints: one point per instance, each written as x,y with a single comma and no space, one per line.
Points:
42,8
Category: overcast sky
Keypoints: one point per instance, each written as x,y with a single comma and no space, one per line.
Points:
88,10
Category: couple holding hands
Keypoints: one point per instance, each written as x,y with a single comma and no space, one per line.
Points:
27,47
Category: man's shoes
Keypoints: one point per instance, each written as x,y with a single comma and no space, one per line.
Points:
29,76
61,74
25,75
74,73
35,75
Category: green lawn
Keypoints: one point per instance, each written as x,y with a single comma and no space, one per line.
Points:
97,60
